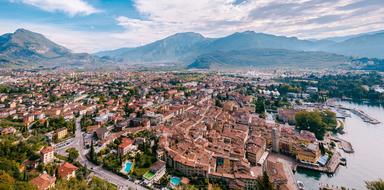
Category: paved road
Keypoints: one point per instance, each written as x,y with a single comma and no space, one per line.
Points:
78,143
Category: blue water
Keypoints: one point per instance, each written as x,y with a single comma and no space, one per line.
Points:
128,167
175,181
365,164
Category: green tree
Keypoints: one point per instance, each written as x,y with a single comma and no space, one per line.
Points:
263,182
311,121
99,184
375,185
6,181
92,154
260,106
73,154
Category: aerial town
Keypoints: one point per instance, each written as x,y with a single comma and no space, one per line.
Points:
164,130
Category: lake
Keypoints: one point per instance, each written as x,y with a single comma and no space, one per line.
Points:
366,164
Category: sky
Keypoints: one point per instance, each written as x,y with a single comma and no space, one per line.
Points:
96,25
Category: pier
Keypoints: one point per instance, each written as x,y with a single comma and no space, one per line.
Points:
345,145
331,187
365,117
342,110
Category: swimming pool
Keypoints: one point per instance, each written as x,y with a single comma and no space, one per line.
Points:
128,167
175,181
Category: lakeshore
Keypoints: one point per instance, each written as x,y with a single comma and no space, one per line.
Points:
364,163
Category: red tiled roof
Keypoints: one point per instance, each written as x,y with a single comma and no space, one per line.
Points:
66,169
125,142
46,150
43,181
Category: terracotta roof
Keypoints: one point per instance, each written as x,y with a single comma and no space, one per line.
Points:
125,142
66,169
46,150
43,181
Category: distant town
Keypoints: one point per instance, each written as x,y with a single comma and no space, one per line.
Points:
66,129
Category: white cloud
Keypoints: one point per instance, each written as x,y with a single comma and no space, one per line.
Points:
213,18
71,7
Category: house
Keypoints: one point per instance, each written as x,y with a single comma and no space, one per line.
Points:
122,125
67,171
46,155
255,149
12,104
307,136
29,164
287,115
156,172
27,120
230,106
313,90
125,146
61,133
92,129
309,153
276,173
44,182
7,131
102,132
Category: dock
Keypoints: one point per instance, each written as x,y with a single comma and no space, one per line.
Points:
334,163
364,116
342,110
345,145
331,187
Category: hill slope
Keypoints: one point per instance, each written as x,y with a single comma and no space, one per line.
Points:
26,48
369,45
268,58
174,48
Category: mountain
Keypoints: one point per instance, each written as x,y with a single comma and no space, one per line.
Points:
174,48
368,45
185,47
268,58
250,39
343,38
27,44
26,48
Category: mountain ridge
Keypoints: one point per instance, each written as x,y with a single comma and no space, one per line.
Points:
26,48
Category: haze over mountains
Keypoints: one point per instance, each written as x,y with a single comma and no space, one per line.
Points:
192,50
186,48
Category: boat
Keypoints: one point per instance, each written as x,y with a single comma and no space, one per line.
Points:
343,161
300,185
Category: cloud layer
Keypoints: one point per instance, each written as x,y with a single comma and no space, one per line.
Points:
156,19
301,18
71,7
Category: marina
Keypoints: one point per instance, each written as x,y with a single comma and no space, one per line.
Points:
365,164
343,112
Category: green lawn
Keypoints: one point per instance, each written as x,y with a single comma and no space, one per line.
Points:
149,175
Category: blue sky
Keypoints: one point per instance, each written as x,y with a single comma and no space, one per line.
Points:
94,25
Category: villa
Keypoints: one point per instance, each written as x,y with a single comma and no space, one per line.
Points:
156,172
125,146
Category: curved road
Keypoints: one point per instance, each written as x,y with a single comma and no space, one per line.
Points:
78,143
